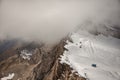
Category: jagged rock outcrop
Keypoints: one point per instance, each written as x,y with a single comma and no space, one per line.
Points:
43,65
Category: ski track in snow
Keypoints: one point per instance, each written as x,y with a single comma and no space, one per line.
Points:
88,49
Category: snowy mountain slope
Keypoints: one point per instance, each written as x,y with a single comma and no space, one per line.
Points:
93,57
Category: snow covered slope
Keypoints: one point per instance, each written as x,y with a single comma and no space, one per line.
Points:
93,57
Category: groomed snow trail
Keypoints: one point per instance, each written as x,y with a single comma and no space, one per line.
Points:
87,49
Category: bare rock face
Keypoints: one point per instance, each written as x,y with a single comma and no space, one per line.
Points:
44,64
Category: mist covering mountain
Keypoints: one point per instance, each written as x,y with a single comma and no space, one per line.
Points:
49,21
59,39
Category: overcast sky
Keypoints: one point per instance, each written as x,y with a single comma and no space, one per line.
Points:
51,20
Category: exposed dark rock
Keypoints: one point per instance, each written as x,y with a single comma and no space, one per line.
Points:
43,65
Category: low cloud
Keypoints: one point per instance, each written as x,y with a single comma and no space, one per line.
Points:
51,20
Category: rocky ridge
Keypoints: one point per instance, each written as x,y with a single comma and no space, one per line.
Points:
44,64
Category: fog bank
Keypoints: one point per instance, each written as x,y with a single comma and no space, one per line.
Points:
51,20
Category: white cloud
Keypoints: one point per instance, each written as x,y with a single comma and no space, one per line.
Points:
49,21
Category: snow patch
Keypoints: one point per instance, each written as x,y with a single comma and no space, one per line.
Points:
25,54
9,77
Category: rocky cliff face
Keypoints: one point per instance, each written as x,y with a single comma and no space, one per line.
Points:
44,64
